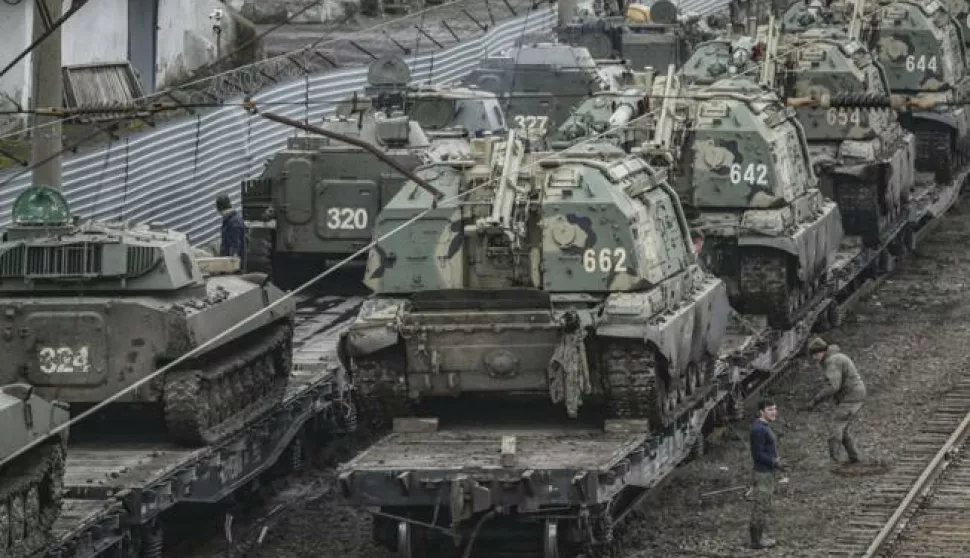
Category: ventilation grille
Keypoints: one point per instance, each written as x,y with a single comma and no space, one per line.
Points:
140,260
71,260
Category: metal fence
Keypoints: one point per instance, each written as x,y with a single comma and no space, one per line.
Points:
172,175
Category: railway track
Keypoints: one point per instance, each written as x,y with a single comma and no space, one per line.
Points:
921,506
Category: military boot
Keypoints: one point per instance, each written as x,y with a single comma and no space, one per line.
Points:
834,446
851,450
758,539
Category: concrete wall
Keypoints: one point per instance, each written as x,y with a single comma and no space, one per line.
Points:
186,40
15,30
98,32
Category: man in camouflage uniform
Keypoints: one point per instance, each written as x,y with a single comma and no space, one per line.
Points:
697,238
846,387
764,454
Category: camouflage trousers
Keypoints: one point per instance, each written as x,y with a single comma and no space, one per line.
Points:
764,493
842,418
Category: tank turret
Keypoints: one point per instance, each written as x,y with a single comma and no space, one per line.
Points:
100,305
607,112
746,172
520,283
31,481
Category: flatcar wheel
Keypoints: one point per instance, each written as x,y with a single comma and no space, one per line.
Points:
550,539
405,547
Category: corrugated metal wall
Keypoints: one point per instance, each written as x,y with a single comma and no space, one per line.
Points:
173,174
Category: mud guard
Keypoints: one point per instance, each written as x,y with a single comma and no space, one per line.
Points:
363,341
688,334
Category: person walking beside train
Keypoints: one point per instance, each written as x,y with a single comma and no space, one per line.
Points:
764,453
846,387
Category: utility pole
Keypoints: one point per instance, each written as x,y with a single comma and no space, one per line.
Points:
48,91
567,10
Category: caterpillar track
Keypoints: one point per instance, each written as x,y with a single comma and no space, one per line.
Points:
382,388
30,500
218,397
766,287
637,386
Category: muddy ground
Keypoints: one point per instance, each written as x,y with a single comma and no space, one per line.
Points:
908,341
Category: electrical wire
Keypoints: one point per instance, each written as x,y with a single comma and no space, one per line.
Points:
75,7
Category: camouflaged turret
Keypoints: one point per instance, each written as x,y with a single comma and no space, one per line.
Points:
93,307
723,58
30,482
865,159
921,47
745,168
573,279
539,83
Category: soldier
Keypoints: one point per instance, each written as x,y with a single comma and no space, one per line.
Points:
697,237
846,388
233,231
764,453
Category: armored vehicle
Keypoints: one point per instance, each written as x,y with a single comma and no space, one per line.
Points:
315,202
921,48
539,83
442,111
660,38
30,481
745,172
527,285
865,159
98,306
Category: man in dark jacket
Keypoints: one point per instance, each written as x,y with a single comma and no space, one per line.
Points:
846,387
764,453
233,231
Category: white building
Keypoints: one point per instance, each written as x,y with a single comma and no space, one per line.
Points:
164,40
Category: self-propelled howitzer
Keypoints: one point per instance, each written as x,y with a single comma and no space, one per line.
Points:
94,307
746,171
573,279
864,158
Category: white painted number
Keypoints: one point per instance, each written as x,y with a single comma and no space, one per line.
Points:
536,123
841,117
64,360
606,261
346,218
920,63
751,174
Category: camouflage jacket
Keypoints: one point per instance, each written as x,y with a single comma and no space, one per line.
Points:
845,383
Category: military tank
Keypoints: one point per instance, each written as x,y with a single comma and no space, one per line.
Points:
527,287
921,46
539,83
315,202
864,158
745,173
100,305
30,482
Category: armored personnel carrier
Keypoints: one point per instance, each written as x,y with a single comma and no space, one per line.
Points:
745,171
865,159
31,481
100,305
539,83
315,202
527,286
